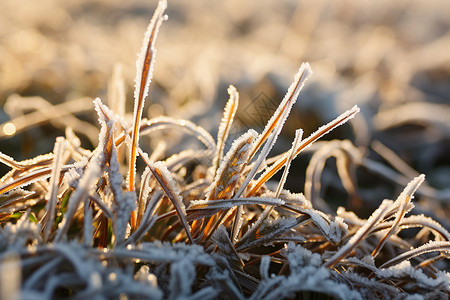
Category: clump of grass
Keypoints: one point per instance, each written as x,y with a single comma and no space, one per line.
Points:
75,225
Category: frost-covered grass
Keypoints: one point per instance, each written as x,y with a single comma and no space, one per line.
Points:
205,224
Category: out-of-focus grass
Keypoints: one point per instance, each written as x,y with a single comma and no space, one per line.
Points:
391,58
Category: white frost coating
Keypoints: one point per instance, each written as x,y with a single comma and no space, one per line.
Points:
321,220
85,186
305,275
235,201
122,209
300,257
264,267
338,230
404,269
182,275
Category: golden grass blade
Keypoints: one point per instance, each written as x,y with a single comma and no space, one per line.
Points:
362,232
270,133
16,200
225,125
28,179
144,66
9,161
285,106
304,144
402,201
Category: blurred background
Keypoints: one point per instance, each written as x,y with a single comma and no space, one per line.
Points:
391,58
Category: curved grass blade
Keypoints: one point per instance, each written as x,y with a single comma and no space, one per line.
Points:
433,246
402,201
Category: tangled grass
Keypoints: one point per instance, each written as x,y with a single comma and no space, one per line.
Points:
205,224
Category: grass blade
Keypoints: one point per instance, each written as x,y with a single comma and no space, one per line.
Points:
144,66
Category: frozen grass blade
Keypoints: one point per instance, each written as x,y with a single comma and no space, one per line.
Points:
225,125
285,106
416,221
304,144
432,246
402,202
144,67
270,133
29,178
162,175
374,219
